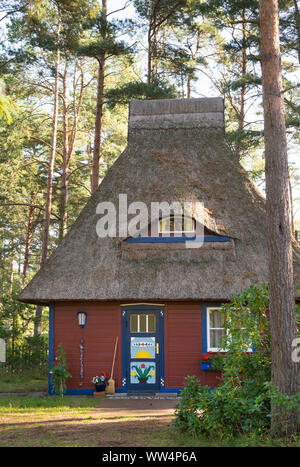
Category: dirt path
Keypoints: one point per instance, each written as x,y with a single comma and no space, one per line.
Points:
113,423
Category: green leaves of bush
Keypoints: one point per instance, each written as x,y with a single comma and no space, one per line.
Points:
241,404
60,372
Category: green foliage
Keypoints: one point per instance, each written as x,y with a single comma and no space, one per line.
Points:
241,404
247,327
139,90
7,108
16,324
60,372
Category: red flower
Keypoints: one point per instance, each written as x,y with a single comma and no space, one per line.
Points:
205,356
143,365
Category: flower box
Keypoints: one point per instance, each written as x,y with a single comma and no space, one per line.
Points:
205,366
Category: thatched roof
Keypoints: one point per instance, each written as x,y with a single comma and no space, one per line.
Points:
176,152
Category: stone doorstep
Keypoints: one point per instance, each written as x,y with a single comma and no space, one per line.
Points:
99,394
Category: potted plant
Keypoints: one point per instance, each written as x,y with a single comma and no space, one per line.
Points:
100,382
142,373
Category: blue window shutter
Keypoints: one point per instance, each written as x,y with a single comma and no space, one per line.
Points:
204,328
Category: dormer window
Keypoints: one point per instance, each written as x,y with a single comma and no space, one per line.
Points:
178,229
177,225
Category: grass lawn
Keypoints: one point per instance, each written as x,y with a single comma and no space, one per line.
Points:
77,421
28,382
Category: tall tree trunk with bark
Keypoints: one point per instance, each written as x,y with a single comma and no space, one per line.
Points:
64,175
244,72
297,25
68,139
281,286
39,308
11,277
28,236
244,62
98,125
99,112
291,206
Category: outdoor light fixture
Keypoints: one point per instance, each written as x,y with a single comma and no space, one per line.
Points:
82,316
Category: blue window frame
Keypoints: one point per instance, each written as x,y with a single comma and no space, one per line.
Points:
206,238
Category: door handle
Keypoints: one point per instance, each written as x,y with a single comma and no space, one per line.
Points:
157,348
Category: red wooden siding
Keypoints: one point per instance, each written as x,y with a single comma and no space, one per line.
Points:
183,345
103,326
183,342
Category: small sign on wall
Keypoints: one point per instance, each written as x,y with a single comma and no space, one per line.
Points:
2,351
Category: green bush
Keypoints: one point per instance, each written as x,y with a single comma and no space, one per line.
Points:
241,404
60,371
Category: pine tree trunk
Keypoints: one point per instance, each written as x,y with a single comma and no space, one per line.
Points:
149,65
291,206
39,308
241,117
297,24
98,126
244,72
188,87
99,113
11,277
28,236
69,137
281,286
64,176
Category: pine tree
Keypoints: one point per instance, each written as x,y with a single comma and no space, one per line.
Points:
285,372
100,43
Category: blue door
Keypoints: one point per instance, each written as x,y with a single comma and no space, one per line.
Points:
143,349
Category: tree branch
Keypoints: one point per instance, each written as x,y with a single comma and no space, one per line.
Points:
35,206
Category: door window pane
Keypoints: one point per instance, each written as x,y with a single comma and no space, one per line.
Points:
151,323
143,324
134,323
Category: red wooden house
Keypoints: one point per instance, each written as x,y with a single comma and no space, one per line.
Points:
159,291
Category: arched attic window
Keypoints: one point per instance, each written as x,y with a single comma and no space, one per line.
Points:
177,229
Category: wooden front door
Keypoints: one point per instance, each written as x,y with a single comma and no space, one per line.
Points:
143,347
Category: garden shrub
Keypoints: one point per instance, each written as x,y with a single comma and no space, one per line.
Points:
60,371
242,402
